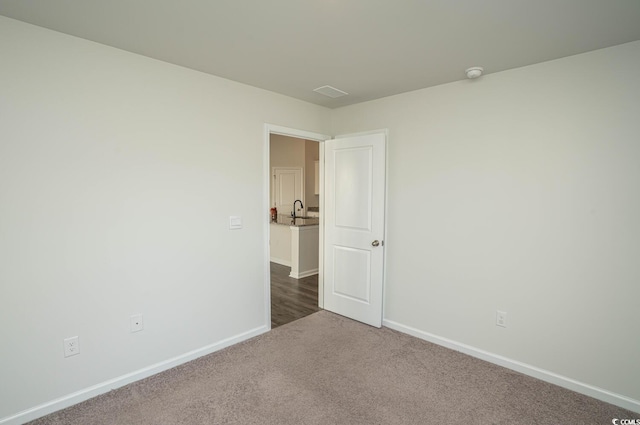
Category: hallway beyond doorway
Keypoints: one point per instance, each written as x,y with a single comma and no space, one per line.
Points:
291,299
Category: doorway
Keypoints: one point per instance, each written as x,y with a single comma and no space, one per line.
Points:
292,292
354,289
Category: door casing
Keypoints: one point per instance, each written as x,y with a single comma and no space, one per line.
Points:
270,129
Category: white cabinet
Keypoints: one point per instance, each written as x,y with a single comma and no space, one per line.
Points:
295,247
280,242
316,188
304,251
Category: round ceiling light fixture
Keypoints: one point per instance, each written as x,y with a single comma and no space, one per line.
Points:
474,72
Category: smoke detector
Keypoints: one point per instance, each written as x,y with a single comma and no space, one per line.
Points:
474,72
330,91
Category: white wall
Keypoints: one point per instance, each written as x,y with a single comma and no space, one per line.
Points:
520,191
286,151
117,177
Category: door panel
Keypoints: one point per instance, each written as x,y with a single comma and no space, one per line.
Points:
354,219
353,194
347,282
288,187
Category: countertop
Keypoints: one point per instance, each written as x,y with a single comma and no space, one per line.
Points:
286,220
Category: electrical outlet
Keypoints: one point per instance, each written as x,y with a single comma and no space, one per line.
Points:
71,346
136,323
501,318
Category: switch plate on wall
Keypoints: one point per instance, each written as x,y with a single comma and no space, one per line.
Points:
501,318
235,222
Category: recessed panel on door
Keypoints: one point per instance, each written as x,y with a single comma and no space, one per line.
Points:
353,187
352,273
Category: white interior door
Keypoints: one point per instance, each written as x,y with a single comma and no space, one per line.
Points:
288,186
354,226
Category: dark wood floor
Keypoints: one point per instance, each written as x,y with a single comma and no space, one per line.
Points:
291,299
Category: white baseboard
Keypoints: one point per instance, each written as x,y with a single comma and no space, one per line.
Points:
300,275
280,261
95,390
544,375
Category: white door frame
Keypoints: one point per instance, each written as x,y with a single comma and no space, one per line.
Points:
270,129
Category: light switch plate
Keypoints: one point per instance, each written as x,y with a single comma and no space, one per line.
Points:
235,222
501,318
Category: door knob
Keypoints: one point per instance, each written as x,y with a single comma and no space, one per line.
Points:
375,243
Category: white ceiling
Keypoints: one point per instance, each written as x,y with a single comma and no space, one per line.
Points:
368,48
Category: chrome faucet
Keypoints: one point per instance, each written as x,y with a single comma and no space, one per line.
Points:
293,213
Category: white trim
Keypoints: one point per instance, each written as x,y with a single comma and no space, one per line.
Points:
386,214
292,132
95,390
384,131
321,229
281,261
542,374
303,274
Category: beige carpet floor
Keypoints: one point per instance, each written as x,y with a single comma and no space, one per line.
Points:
326,369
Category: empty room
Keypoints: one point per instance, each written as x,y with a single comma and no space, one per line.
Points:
475,184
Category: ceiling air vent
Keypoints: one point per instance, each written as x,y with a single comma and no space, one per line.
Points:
330,91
